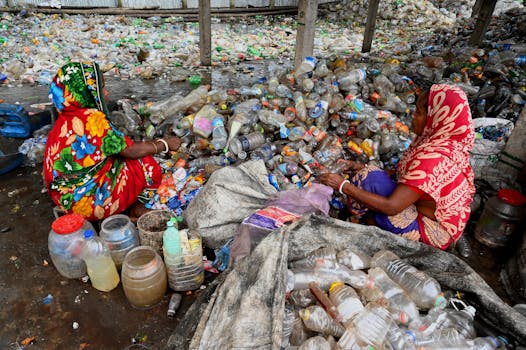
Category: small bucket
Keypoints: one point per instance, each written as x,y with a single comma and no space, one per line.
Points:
151,226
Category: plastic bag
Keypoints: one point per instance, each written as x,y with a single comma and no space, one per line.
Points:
282,208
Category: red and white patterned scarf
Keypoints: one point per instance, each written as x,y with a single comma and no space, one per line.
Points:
437,162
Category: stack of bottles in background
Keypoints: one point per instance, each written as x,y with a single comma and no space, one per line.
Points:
374,302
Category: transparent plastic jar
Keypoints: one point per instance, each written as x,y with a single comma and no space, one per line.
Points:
143,277
186,271
120,235
502,214
66,235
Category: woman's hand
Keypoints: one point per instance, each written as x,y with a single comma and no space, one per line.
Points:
331,180
174,143
350,165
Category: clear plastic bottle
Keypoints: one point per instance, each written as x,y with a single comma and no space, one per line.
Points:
439,319
307,66
353,260
324,256
299,104
184,125
265,152
246,143
383,85
320,109
401,306
288,168
346,300
283,91
330,150
101,268
321,69
250,91
480,343
307,85
315,343
421,339
347,79
316,319
325,276
396,339
169,107
219,134
245,113
200,163
423,289
382,257
369,327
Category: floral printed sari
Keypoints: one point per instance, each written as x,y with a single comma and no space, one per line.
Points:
83,170
437,166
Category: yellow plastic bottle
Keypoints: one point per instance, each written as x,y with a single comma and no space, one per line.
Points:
101,268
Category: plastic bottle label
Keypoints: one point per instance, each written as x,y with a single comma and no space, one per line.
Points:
311,61
217,122
245,144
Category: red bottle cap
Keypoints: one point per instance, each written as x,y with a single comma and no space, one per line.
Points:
512,197
67,224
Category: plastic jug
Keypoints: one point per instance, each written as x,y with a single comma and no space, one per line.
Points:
502,214
120,235
67,232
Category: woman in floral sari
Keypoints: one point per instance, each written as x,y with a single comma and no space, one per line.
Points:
431,201
90,167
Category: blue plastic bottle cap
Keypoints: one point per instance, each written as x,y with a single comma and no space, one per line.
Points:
88,234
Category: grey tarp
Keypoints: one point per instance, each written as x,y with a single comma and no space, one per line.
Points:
230,195
246,309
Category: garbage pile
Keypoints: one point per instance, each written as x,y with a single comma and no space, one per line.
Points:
348,298
35,45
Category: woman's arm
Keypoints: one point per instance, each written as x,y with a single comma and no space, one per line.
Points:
400,199
148,148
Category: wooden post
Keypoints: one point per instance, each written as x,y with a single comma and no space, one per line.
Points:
307,14
370,25
483,19
205,33
513,158
476,8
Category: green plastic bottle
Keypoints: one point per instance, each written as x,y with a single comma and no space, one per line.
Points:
171,239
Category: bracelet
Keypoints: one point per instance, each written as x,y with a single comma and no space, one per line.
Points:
155,146
165,146
343,184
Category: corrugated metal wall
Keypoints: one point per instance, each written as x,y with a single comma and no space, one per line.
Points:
146,4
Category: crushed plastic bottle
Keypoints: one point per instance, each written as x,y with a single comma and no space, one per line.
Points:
316,319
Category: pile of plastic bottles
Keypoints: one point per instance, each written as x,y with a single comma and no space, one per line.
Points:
331,299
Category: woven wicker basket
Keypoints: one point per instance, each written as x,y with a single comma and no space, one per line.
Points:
151,226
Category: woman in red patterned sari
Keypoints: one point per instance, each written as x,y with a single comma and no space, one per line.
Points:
90,167
431,200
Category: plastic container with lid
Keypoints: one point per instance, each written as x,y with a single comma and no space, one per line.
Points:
67,234
143,277
120,235
502,214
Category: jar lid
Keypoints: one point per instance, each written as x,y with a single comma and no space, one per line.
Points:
511,197
67,224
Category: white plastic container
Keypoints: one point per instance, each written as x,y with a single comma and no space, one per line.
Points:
66,235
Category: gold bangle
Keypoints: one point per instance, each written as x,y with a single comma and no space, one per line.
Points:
165,146
155,146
